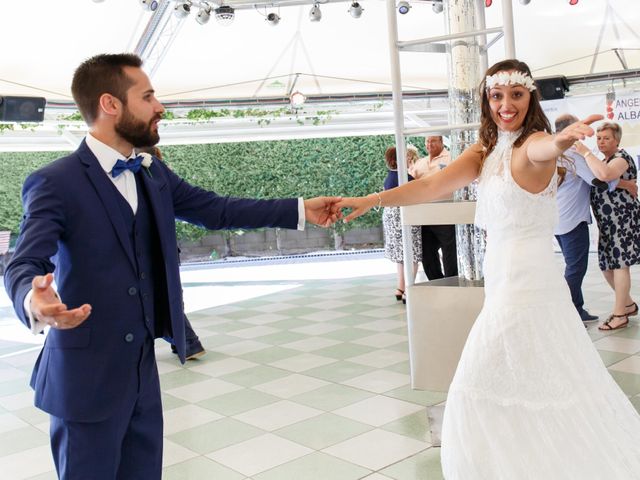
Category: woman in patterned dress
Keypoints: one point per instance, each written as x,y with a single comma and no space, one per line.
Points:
392,226
618,216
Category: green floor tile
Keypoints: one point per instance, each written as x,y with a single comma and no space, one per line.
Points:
270,354
22,439
609,358
290,323
240,314
282,337
339,371
323,431
250,377
331,397
355,308
415,426
45,476
402,367
213,436
178,378
629,382
315,466
633,331
347,334
344,350
239,401
200,468
31,415
14,386
210,343
421,397
300,311
422,466
169,402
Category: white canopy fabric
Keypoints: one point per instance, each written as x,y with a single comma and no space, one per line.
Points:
42,41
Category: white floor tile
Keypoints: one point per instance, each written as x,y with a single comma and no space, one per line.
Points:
259,454
376,449
188,416
618,344
166,366
17,400
310,344
380,358
27,463
381,340
378,410
196,392
223,367
254,332
303,362
277,415
379,381
240,348
324,315
629,365
318,328
386,316
291,385
173,453
10,373
9,422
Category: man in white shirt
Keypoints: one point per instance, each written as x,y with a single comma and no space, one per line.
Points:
103,219
437,237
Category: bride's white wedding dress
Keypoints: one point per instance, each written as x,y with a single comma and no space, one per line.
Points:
531,398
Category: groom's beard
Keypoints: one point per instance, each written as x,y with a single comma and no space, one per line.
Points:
136,132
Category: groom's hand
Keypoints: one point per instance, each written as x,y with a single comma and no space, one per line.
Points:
46,306
322,211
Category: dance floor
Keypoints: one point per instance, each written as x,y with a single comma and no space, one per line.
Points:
306,377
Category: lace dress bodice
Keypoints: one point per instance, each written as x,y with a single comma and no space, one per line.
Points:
505,206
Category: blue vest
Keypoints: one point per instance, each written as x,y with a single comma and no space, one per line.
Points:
152,284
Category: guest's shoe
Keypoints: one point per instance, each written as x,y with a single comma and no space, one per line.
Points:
587,317
606,326
404,298
399,295
633,312
194,350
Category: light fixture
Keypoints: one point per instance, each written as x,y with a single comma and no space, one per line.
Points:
182,9
573,2
315,14
437,7
273,19
225,14
204,14
355,10
488,3
403,7
525,2
297,99
150,5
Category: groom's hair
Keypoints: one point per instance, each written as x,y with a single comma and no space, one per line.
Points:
99,75
564,120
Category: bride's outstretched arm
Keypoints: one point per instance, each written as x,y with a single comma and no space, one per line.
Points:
459,173
542,147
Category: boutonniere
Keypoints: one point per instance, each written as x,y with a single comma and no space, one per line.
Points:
147,160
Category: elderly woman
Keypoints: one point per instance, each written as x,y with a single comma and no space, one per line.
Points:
618,216
392,226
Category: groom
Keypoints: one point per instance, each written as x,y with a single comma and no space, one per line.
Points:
104,222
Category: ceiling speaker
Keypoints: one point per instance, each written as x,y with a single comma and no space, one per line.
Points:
22,109
552,88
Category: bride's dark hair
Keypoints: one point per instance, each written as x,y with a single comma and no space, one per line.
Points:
534,121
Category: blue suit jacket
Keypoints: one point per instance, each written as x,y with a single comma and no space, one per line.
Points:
73,227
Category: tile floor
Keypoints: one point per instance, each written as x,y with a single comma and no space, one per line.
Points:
309,380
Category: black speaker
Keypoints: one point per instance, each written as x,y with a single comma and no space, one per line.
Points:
22,109
552,88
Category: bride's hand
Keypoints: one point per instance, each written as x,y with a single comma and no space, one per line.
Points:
358,205
576,131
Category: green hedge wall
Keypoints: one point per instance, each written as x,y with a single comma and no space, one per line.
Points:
329,166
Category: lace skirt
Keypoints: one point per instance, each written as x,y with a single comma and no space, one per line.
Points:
392,228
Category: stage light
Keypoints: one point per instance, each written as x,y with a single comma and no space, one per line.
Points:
437,7
315,14
182,9
273,19
204,14
403,7
488,3
525,2
225,14
297,99
150,5
573,2
355,10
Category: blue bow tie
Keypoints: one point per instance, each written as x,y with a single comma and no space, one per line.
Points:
133,164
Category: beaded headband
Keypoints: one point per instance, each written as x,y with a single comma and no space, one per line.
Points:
510,78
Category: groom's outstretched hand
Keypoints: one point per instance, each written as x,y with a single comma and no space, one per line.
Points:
322,211
46,306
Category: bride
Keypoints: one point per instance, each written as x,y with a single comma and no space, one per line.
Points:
531,398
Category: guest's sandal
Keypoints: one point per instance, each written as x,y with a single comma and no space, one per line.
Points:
633,312
399,295
606,326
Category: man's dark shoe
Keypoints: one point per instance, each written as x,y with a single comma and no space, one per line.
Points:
587,317
194,350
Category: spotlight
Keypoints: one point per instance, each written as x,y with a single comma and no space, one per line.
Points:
182,9
403,7
150,5
573,2
225,14
488,3
525,2
437,7
315,14
273,19
355,10
297,99
204,14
